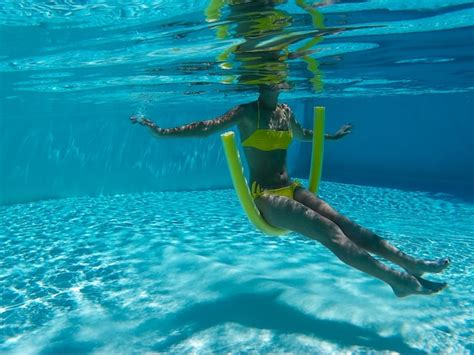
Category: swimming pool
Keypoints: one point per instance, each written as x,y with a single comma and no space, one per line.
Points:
185,271
112,242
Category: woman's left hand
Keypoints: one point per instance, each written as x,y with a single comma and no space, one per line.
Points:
343,131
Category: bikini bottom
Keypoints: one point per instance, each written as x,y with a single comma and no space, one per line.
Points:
287,191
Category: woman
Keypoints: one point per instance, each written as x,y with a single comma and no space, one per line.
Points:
266,129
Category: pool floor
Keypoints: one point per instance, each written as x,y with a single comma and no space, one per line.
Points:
186,272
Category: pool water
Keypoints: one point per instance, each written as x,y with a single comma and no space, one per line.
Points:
94,259
186,272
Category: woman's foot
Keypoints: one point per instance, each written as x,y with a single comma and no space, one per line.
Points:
432,266
412,285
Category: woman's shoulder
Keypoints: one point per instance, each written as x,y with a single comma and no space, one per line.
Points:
248,109
249,105
245,113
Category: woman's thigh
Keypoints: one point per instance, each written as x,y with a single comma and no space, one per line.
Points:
292,215
310,200
357,233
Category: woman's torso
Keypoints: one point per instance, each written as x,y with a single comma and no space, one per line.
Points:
267,167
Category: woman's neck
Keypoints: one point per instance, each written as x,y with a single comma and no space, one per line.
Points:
268,104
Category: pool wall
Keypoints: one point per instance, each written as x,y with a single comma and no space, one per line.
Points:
422,142
59,148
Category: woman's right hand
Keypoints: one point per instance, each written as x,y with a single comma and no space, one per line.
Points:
157,131
143,121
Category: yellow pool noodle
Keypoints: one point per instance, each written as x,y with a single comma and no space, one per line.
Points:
241,187
240,183
318,149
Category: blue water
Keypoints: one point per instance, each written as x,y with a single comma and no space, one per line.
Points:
185,271
113,242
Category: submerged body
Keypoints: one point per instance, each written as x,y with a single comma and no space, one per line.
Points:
265,143
266,129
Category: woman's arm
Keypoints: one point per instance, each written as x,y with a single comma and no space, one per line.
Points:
306,135
195,129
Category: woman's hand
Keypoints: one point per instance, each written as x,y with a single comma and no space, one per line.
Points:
157,131
343,131
143,121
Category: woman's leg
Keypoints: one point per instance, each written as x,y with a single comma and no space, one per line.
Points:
367,239
289,214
